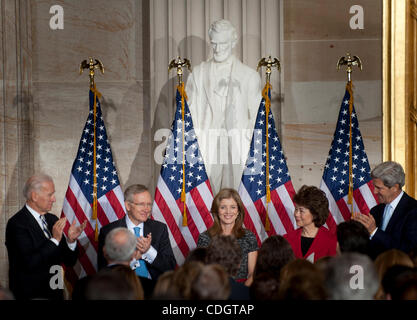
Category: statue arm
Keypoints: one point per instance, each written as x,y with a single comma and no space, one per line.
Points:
192,94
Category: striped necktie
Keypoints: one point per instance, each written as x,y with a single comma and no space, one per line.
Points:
45,227
141,270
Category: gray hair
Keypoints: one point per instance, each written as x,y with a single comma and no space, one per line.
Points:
120,244
223,25
34,184
390,173
134,189
351,276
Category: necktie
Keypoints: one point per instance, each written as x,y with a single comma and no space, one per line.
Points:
45,227
141,270
386,217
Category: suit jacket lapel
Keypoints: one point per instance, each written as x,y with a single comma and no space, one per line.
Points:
33,224
398,212
146,228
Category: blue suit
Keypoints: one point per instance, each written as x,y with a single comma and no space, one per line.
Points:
401,231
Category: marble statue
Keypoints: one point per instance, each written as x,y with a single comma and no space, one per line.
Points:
223,96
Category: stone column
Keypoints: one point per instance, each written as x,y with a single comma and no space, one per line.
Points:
16,117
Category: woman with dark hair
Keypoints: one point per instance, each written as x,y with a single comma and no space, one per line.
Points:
228,213
311,240
275,253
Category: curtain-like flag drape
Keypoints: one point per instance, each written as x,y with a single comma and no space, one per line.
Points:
347,154
265,165
183,195
94,150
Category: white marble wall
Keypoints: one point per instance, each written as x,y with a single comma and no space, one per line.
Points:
316,34
44,101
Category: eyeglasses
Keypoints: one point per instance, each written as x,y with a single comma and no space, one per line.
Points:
142,204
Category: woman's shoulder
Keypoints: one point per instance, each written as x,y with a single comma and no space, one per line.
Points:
204,235
292,233
248,234
325,233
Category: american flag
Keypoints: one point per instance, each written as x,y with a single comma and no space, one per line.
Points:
252,189
168,207
78,200
335,181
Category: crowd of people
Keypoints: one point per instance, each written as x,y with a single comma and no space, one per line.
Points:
371,256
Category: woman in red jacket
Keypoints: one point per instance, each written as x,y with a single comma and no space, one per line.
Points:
311,240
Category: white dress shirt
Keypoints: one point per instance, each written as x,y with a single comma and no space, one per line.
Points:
37,217
150,255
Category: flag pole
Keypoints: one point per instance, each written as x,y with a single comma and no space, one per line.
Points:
350,61
268,63
92,65
179,64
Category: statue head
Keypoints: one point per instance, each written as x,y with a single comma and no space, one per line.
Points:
223,38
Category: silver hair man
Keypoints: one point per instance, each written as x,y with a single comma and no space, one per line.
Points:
134,189
390,172
120,245
34,183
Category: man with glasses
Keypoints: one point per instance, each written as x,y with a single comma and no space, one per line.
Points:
153,254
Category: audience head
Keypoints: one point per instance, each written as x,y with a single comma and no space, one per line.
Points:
227,195
225,250
197,254
131,277
39,191
165,288
392,282
386,260
352,236
274,253
212,283
301,280
265,286
314,200
405,286
119,246
351,276
108,285
185,276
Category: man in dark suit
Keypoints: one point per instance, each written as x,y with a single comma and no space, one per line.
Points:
153,254
392,224
35,242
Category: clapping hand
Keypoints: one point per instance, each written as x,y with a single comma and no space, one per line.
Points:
75,231
58,228
144,243
367,220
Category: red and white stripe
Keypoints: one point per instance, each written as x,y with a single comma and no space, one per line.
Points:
280,212
363,201
110,207
168,210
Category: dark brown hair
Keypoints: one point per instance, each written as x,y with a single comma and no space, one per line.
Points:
225,250
274,254
216,229
314,200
